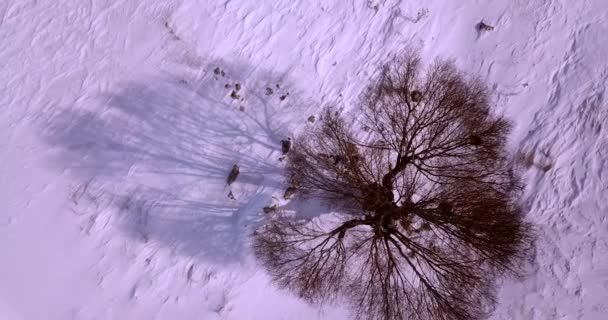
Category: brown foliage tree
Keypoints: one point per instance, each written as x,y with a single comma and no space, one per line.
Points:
426,199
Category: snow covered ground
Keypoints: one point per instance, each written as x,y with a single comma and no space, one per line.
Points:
117,132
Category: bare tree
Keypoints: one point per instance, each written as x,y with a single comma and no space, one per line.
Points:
426,200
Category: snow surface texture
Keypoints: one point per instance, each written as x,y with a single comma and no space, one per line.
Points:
118,133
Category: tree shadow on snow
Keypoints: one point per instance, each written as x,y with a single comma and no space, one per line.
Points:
162,149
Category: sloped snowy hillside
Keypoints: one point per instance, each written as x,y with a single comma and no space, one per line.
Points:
120,120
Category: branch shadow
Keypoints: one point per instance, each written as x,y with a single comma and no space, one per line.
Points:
161,150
